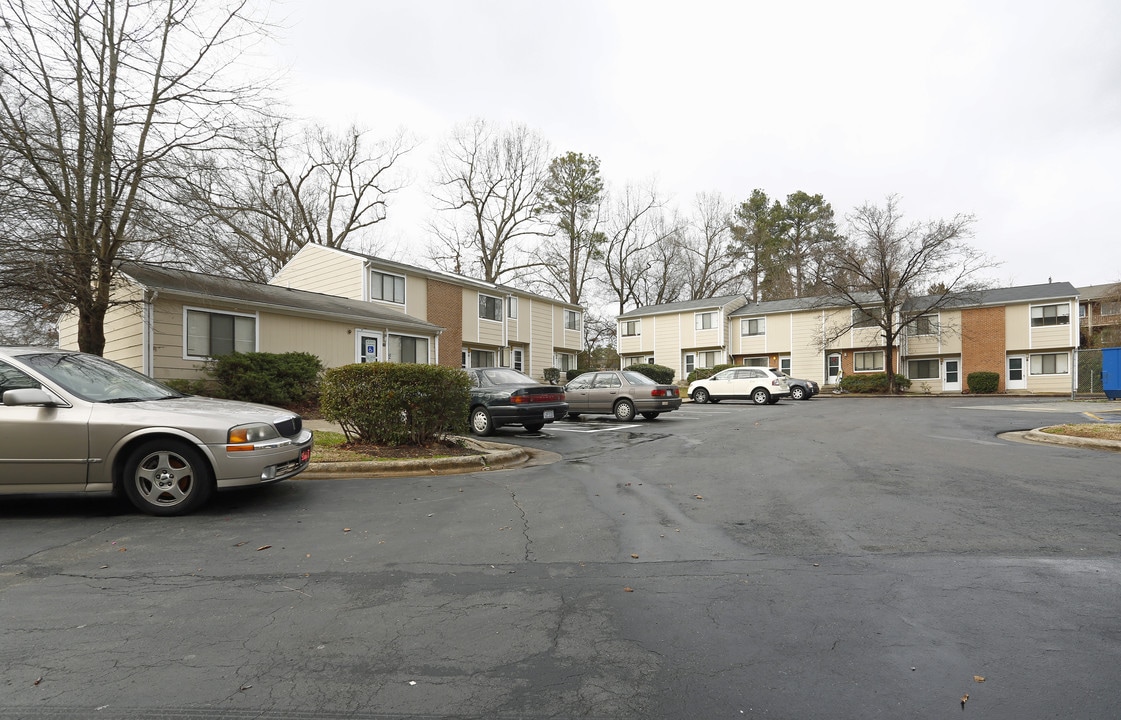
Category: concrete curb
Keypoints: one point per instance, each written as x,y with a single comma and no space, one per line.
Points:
495,456
1039,436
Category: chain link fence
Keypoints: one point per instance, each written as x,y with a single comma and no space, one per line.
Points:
1088,365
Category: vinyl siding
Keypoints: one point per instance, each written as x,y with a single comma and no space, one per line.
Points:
541,349
323,270
667,340
806,359
1017,326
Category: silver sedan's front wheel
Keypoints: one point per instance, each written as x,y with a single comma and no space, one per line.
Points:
167,477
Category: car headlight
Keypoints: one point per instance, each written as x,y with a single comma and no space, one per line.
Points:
252,433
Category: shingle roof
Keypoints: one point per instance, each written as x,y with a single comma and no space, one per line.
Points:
1097,292
683,305
272,296
1003,296
768,307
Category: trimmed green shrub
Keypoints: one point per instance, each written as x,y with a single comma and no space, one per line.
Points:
551,375
198,386
983,381
702,373
396,403
572,374
270,378
871,383
657,373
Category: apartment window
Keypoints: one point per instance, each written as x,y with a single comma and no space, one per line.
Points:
387,288
925,325
690,363
1112,307
490,308
706,359
564,361
753,326
408,349
480,358
210,334
868,361
704,321
632,328
1050,364
512,308
784,364
757,362
866,318
571,320
923,369
517,359
1044,315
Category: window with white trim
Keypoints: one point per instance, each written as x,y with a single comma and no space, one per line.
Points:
480,358
632,328
924,369
1044,315
753,326
490,307
517,359
784,364
512,307
211,334
704,321
758,361
871,361
1049,364
866,318
408,349
564,361
925,325
387,288
571,320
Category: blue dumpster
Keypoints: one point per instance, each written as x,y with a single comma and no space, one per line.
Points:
1111,372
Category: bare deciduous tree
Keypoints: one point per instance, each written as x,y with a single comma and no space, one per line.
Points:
632,227
711,266
97,99
902,270
488,188
263,204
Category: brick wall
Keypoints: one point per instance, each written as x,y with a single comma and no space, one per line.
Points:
983,342
445,308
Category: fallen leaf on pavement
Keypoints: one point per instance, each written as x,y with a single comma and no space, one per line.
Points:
628,589
263,547
978,678
634,555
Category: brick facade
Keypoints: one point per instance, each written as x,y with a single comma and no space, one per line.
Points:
445,307
983,341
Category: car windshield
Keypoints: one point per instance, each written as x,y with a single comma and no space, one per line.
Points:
96,379
502,376
637,378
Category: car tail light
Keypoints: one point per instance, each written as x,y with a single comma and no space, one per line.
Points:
663,392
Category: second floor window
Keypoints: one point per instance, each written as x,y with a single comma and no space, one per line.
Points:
512,307
753,326
925,325
866,318
704,321
490,308
387,288
1043,315
631,328
571,320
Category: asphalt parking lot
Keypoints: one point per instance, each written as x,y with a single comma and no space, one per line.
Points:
841,558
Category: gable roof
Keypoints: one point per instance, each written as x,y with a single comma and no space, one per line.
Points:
682,306
1106,291
270,297
1002,296
409,269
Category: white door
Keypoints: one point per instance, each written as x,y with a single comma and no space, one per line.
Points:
833,369
369,346
1017,373
951,375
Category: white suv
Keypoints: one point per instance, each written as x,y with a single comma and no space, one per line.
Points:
757,384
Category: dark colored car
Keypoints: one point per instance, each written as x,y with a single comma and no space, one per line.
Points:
799,389
501,396
622,393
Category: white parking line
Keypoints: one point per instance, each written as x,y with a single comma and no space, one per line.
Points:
587,428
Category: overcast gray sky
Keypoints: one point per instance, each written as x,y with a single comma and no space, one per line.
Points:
1008,110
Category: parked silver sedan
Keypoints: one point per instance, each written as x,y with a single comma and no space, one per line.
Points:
72,422
622,393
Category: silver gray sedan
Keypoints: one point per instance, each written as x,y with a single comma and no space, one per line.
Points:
622,393
72,422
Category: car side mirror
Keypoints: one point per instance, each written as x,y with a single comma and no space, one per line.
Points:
29,396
